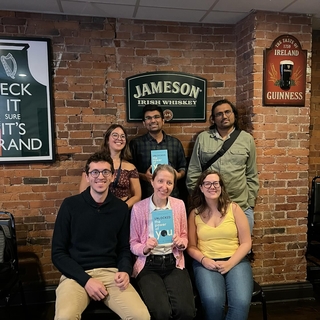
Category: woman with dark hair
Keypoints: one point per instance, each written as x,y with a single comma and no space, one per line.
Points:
159,268
219,240
126,184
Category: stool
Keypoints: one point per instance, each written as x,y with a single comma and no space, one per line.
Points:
258,295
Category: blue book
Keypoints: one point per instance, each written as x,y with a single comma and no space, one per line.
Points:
163,226
158,157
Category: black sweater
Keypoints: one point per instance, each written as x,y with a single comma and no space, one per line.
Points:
88,236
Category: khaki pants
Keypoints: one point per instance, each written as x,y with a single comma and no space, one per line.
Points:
72,299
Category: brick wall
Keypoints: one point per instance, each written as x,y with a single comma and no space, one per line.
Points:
91,59
282,139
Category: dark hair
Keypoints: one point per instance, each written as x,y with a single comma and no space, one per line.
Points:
100,156
165,167
125,152
234,110
198,200
151,107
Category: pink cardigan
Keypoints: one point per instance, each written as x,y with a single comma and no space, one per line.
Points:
139,231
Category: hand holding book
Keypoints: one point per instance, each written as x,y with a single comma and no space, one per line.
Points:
178,242
150,245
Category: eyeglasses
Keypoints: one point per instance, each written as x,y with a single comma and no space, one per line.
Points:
96,173
117,136
149,118
209,184
220,114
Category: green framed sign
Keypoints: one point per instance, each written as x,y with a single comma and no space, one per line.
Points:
182,96
26,101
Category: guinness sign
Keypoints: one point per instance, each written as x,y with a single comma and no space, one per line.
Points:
285,73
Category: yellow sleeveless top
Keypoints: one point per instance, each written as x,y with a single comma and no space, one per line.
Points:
218,242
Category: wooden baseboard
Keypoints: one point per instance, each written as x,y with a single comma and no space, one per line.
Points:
273,293
288,291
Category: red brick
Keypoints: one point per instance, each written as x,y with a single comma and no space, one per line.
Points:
89,95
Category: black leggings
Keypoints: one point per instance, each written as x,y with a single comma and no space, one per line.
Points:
165,289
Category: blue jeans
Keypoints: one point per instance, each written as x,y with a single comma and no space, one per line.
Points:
215,289
250,215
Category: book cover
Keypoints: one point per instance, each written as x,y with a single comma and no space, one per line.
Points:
158,157
163,226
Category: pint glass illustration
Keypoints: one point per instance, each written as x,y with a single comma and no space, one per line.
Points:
286,67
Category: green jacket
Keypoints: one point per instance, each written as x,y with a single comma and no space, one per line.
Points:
237,166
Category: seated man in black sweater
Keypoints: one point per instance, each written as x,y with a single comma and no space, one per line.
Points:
90,247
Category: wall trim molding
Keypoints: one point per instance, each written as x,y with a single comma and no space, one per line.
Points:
288,291
273,293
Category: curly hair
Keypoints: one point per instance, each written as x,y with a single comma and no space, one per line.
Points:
100,156
125,152
198,200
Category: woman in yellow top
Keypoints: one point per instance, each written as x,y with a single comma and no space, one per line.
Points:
219,240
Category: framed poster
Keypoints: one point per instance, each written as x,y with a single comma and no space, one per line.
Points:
26,115
284,82
182,96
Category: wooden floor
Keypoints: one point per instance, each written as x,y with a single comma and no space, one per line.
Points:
294,310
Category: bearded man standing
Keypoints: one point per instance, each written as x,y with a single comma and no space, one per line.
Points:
237,164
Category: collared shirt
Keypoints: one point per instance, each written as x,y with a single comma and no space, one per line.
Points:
237,166
160,249
141,154
217,134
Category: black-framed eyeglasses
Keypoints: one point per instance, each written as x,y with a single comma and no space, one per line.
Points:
117,136
220,114
209,184
96,173
149,118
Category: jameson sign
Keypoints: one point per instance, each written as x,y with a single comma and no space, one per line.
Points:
182,96
25,101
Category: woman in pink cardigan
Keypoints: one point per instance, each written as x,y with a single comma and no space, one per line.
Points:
159,268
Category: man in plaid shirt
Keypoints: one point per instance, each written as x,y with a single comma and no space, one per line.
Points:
156,139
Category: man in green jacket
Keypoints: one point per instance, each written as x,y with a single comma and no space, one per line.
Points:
237,166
